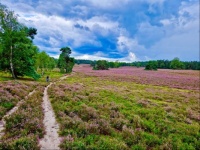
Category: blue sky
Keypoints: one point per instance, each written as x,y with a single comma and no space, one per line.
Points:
124,30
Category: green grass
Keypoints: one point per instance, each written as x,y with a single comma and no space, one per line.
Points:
5,76
97,113
54,75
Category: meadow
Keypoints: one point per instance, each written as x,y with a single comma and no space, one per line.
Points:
128,108
121,108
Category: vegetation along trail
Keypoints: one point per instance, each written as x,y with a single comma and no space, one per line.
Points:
51,138
14,109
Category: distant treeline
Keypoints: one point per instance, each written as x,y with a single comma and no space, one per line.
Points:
161,64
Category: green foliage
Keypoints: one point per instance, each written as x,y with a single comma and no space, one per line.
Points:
65,62
17,50
7,105
138,65
176,64
31,32
152,65
70,65
44,62
82,61
115,64
101,65
162,64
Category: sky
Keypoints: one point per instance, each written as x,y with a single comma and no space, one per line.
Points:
123,30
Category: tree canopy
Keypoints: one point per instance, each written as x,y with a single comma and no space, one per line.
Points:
65,62
17,49
101,65
152,65
176,64
44,62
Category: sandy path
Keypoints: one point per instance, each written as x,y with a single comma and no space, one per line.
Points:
14,109
1,128
51,140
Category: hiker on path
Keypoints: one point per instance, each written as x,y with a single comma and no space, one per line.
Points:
47,78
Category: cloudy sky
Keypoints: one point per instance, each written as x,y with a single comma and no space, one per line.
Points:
125,30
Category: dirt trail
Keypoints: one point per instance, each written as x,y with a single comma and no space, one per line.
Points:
14,109
51,140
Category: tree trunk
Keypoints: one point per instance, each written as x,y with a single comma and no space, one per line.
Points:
11,62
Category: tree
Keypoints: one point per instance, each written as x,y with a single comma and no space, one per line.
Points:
176,64
17,50
51,63
70,64
31,32
101,65
42,60
65,62
152,65
138,65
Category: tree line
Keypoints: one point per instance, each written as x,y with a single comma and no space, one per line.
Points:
149,65
19,55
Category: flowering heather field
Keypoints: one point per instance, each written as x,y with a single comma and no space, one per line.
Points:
11,92
128,108
181,79
25,127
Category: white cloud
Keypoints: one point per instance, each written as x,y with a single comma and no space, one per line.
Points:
108,4
127,44
100,21
100,54
56,25
130,58
59,30
165,22
181,38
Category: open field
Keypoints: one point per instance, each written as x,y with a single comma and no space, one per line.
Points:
123,108
128,108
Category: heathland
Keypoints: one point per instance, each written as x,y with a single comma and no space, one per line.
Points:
119,108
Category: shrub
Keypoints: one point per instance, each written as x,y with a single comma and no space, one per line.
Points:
101,65
176,64
118,123
87,113
152,65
